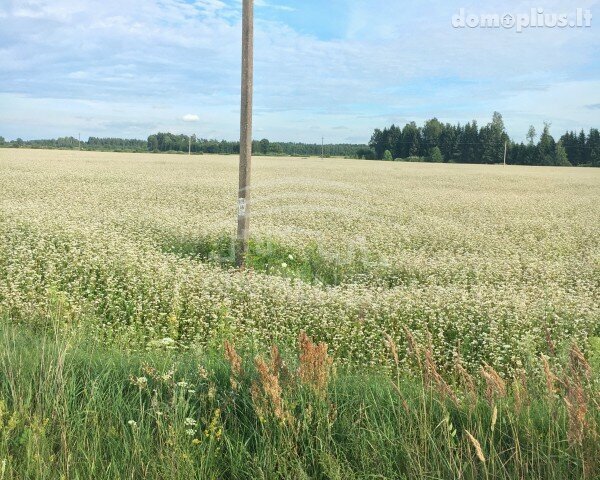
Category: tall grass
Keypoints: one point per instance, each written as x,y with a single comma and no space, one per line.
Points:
75,409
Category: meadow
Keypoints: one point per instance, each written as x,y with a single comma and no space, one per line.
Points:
455,312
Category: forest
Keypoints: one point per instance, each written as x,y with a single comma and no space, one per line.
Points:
442,142
435,141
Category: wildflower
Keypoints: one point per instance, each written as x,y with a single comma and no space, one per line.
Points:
212,392
140,382
190,432
166,343
214,430
132,423
190,422
196,441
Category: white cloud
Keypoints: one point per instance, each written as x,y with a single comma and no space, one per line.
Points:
186,56
190,118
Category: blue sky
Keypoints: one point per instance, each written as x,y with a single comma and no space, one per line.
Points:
333,68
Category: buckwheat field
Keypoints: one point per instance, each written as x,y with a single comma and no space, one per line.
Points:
487,262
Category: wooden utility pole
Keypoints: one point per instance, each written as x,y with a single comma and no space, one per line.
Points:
322,148
243,230
505,152
79,136
190,146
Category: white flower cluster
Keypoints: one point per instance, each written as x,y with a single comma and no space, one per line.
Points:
494,261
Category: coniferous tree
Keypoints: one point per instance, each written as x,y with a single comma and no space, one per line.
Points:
593,148
493,138
579,142
377,143
561,158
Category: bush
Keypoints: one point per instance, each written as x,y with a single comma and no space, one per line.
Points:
436,156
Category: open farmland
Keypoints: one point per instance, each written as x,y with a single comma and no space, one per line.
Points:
454,309
488,262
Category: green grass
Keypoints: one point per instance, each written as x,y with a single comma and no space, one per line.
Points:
72,408
308,264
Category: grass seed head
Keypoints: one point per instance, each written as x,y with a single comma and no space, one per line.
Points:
315,364
476,445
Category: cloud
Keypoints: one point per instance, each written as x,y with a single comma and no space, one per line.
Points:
190,118
363,65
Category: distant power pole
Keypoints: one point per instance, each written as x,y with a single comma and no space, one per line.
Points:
243,230
505,152
322,148
190,146
79,136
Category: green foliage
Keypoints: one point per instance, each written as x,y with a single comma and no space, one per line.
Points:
531,135
387,156
264,146
457,144
595,354
308,264
170,143
471,144
436,155
562,160
365,154
73,408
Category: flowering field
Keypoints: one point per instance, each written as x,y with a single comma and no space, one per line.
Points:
495,264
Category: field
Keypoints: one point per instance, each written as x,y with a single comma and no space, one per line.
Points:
422,273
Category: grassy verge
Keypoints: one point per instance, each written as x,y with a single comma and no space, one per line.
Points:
72,408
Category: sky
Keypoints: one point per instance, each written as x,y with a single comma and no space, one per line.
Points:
336,69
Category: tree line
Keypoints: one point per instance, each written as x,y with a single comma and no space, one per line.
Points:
171,143
443,142
168,142
433,142
72,143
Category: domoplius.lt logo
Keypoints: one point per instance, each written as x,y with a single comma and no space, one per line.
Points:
534,18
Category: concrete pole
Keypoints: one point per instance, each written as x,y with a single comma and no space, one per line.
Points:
243,230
